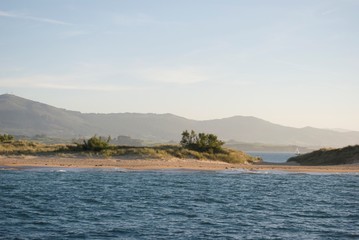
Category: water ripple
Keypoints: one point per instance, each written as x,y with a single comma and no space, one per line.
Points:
177,205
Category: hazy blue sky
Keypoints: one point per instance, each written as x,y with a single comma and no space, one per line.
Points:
292,62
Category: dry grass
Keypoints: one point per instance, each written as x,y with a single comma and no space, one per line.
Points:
156,152
28,147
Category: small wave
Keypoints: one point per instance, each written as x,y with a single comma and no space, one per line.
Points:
246,171
331,173
235,171
279,172
97,204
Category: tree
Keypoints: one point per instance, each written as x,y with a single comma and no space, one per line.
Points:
188,139
202,142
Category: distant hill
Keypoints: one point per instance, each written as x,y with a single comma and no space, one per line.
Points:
261,147
20,116
347,155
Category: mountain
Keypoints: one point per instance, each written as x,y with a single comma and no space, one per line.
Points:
19,116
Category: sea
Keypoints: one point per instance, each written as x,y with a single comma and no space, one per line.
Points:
65,203
273,157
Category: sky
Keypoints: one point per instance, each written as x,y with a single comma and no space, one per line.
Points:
295,63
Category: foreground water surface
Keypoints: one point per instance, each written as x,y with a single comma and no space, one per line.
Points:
113,204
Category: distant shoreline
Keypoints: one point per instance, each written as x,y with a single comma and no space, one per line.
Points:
18,162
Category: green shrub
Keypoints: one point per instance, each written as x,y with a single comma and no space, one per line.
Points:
201,142
96,144
6,138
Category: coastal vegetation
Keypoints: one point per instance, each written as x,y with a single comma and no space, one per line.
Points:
192,146
205,146
6,138
95,144
346,155
202,142
24,147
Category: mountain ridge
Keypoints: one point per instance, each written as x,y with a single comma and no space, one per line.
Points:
20,116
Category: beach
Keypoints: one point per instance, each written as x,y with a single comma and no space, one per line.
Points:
16,162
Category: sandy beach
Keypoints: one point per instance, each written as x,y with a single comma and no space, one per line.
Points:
15,162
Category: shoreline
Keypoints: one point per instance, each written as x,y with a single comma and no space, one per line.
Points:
18,162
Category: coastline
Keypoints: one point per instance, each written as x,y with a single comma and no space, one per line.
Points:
17,162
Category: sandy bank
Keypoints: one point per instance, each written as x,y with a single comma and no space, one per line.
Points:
155,164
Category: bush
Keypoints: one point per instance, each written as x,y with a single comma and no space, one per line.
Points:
6,138
202,142
96,144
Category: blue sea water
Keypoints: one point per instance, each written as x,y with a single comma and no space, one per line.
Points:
54,203
273,157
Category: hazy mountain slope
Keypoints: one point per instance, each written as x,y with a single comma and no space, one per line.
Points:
25,117
20,116
245,129
251,129
156,127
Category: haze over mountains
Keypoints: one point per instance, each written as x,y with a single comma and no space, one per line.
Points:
21,116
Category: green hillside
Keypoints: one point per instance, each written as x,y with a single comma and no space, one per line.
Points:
346,155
